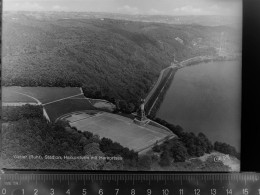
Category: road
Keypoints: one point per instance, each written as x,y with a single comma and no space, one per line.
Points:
158,82
159,86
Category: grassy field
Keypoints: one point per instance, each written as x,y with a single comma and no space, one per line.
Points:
78,115
10,96
43,94
62,107
121,130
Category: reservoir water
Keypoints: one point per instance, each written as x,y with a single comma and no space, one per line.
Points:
206,98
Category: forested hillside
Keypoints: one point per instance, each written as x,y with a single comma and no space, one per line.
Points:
26,132
112,59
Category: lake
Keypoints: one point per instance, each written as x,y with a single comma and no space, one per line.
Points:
206,98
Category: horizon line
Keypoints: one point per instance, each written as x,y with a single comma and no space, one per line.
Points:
117,13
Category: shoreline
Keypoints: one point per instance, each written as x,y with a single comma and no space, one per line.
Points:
218,60
189,62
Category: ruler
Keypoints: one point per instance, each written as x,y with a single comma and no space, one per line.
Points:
61,183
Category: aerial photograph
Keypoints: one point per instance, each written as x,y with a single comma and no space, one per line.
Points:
121,85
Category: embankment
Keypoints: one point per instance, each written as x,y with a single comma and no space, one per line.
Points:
157,97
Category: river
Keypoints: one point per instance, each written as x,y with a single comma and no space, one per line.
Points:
206,98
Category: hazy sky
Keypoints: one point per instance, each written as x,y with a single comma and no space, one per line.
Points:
152,7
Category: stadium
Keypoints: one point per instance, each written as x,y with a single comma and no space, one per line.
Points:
71,105
119,129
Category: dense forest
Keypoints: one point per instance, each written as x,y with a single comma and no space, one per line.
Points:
190,144
110,59
26,132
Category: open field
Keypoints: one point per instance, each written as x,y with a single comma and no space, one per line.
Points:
78,115
57,101
42,94
119,129
10,96
62,107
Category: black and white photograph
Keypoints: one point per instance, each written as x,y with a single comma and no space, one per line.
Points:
121,85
